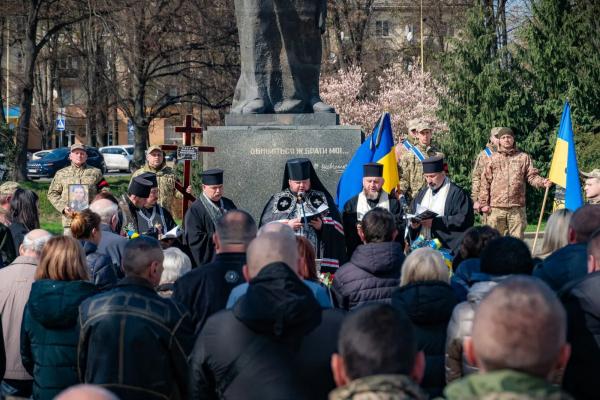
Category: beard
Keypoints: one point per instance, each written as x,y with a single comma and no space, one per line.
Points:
371,195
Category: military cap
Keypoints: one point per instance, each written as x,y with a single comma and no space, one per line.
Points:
154,147
77,146
413,124
423,125
592,174
503,130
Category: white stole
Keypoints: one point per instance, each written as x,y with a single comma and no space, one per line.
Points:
362,207
436,203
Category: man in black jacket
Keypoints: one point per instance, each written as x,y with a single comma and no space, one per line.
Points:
204,291
452,206
132,341
276,342
373,272
111,243
582,302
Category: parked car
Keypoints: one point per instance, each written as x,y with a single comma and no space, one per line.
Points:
40,154
118,157
59,158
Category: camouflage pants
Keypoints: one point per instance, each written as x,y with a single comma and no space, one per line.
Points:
509,221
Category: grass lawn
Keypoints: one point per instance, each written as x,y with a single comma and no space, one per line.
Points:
50,219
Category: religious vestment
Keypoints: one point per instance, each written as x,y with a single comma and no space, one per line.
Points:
199,227
455,214
358,206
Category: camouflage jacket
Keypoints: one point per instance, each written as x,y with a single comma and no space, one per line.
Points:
503,385
379,387
482,159
58,192
166,184
504,177
410,169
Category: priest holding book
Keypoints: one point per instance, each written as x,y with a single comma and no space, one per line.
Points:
442,209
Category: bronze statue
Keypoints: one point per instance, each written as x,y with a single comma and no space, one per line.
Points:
280,46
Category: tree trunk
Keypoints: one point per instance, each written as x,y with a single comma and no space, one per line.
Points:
22,136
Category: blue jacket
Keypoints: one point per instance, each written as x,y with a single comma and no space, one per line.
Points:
103,273
565,265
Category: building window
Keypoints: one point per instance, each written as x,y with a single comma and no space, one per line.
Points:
382,28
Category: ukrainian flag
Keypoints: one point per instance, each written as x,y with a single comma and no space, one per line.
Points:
379,148
563,170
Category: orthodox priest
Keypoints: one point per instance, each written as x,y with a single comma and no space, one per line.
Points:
452,206
129,205
200,219
372,196
307,207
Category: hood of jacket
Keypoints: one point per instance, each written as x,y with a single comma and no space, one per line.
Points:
426,303
479,290
55,304
278,304
520,385
378,258
379,387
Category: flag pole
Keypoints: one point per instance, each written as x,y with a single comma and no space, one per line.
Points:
537,230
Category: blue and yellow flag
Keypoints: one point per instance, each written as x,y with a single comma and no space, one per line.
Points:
563,170
379,148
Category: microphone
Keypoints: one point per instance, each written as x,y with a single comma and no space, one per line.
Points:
300,197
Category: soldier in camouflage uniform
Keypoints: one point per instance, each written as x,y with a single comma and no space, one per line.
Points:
482,159
77,173
518,342
592,186
502,192
410,169
155,163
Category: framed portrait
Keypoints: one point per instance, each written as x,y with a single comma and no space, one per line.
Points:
78,197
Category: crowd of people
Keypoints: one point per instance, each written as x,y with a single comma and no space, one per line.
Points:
398,296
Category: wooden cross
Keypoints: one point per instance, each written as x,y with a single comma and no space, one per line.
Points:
187,131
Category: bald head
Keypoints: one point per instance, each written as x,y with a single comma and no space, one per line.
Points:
276,227
271,247
86,392
34,242
235,227
520,325
583,223
106,209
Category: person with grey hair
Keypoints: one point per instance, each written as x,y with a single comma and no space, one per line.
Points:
132,341
176,264
276,342
205,290
15,286
87,392
518,343
111,243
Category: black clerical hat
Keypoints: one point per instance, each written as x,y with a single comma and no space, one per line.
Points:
212,177
433,164
298,169
151,177
373,170
140,187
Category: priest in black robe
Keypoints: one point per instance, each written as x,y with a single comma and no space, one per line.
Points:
137,195
199,223
306,206
153,219
370,197
453,206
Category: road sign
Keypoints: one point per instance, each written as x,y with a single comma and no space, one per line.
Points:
60,124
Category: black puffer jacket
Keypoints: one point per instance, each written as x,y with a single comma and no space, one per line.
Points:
565,265
429,306
135,343
282,333
49,334
103,273
371,275
582,302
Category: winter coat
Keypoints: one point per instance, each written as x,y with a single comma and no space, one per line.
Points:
112,245
504,177
278,337
103,273
371,275
460,326
15,285
18,232
503,385
135,343
429,306
379,387
582,303
466,275
50,333
565,265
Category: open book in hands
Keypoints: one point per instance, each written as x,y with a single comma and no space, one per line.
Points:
172,234
422,213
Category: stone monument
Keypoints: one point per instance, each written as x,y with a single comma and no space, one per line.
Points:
277,112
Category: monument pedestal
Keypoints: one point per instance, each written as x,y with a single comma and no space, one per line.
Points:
254,156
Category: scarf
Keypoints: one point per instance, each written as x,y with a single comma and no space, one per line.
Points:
213,211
